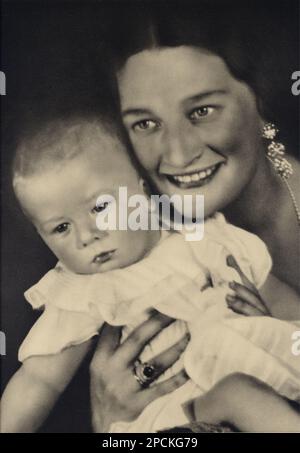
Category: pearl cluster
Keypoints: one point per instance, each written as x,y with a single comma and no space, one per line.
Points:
276,152
269,131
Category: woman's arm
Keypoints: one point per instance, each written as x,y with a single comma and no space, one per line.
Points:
248,404
34,389
282,300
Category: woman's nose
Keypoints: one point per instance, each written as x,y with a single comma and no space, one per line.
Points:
182,147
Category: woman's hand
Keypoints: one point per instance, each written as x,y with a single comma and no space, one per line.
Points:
116,395
246,300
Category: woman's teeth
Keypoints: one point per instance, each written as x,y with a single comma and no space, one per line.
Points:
195,177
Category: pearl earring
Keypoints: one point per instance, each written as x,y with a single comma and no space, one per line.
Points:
276,151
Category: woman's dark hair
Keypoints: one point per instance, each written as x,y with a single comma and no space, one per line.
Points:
210,26
244,35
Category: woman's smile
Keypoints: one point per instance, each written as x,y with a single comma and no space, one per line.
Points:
200,172
194,179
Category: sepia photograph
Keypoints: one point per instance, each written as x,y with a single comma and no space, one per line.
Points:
150,218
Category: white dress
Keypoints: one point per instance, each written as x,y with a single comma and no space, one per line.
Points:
172,279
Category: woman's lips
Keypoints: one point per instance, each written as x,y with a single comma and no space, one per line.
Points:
195,179
103,257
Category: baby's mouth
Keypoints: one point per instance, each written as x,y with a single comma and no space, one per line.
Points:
103,257
195,179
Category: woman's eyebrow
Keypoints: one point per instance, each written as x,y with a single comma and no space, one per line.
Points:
200,96
194,98
136,111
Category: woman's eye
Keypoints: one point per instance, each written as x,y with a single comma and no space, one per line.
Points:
61,228
100,207
201,112
145,125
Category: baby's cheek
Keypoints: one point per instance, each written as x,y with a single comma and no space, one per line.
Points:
66,254
52,245
135,247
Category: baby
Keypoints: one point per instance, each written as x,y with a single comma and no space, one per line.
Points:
65,175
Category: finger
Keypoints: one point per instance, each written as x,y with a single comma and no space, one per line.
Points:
167,358
109,340
241,307
254,299
231,262
167,386
131,348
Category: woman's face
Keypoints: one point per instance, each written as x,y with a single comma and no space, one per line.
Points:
194,128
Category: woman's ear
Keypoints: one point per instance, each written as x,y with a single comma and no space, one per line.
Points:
262,122
260,106
262,112
262,118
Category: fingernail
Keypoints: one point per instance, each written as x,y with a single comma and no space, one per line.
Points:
230,299
230,260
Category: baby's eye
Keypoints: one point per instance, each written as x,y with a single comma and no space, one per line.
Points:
61,228
201,112
145,125
100,207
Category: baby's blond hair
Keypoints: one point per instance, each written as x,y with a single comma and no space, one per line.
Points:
60,140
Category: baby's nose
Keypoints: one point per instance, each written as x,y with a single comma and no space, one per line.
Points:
89,234
85,241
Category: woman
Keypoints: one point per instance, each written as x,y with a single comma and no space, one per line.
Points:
194,108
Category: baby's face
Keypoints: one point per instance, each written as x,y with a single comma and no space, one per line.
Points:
61,202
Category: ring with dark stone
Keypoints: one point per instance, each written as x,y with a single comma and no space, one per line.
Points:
143,372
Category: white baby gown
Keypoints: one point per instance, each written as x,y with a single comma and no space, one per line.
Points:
173,279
